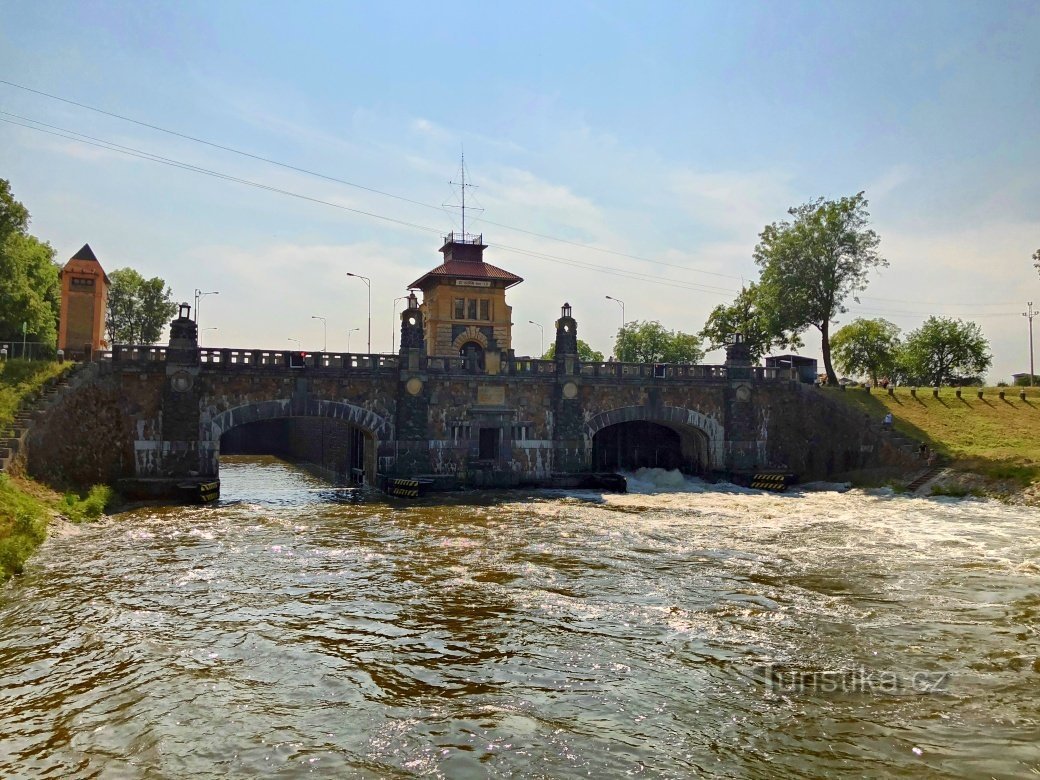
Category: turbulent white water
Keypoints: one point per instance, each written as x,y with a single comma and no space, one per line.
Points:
680,629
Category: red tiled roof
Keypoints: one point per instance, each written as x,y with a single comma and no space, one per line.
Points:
465,269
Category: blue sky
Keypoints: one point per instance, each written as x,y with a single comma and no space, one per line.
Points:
669,132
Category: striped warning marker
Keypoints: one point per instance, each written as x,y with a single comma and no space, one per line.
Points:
403,488
775,482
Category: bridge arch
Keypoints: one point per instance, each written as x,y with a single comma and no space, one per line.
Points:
375,427
695,431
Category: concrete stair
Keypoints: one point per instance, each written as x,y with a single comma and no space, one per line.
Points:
13,437
923,478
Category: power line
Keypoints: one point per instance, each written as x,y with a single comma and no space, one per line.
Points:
334,179
73,135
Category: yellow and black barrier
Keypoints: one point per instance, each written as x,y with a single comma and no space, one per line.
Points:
775,481
405,488
209,491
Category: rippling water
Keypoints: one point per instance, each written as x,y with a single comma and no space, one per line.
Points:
298,630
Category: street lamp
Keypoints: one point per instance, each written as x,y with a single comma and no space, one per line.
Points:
368,284
199,295
393,330
298,345
541,338
325,330
622,304
348,338
203,330
1029,314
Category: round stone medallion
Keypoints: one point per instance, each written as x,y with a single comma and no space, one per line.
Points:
743,393
413,386
570,390
181,381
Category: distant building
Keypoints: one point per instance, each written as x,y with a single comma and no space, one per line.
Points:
464,310
84,303
806,367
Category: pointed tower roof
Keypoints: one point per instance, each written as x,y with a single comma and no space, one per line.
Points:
86,253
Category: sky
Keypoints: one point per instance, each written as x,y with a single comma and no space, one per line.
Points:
617,149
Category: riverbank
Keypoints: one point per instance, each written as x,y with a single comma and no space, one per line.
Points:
27,507
990,444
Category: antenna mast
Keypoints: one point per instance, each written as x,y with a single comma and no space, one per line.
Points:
463,185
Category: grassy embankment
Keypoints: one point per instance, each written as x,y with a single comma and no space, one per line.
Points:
25,506
999,439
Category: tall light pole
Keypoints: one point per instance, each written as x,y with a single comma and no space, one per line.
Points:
622,304
299,347
199,295
393,330
1029,314
203,330
325,330
348,338
368,284
541,337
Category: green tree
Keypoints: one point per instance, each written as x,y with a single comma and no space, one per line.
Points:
944,350
138,308
866,347
813,263
30,293
747,316
650,342
585,353
1036,260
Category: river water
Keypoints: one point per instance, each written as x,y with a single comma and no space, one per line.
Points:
296,630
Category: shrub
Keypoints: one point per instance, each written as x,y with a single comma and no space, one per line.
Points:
90,507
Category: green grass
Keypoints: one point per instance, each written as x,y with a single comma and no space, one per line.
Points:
998,438
23,526
20,380
89,507
25,507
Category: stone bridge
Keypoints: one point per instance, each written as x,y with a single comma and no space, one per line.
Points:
171,412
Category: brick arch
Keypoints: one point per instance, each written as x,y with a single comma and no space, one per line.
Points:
470,334
671,416
377,426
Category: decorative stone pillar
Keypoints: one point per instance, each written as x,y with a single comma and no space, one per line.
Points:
570,453
181,455
412,451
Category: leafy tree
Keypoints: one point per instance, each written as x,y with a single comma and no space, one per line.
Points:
1036,260
650,342
943,350
585,353
866,347
30,292
747,316
813,263
138,308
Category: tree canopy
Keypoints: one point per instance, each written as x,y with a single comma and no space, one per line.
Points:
747,316
138,308
944,350
813,263
30,293
585,353
867,347
1036,260
650,342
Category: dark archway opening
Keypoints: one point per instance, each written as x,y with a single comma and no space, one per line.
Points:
341,452
641,444
473,352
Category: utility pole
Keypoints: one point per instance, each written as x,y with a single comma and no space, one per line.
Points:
1029,313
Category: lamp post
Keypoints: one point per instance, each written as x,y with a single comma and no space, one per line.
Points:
1029,314
393,330
541,338
621,303
368,284
203,330
325,330
199,295
299,346
348,338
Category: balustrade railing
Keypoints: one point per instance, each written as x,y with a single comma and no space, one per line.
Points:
229,359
